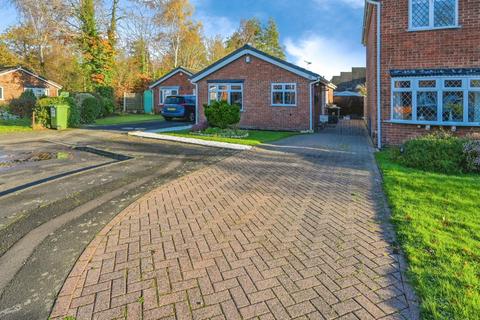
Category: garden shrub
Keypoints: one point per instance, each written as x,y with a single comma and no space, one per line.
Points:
221,114
108,106
91,109
80,97
471,150
105,92
23,105
438,152
42,110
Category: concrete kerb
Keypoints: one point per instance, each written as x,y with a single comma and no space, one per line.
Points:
215,144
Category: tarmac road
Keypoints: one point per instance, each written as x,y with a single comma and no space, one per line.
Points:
44,228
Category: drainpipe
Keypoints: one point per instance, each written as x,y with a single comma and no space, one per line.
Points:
378,5
196,104
311,104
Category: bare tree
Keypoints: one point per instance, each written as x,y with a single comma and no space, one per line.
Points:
45,19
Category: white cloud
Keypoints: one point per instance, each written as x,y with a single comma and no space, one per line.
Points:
216,25
328,56
356,4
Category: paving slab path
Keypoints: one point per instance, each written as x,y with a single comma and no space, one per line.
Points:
294,230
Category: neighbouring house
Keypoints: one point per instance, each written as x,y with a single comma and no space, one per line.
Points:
15,80
347,95
176,82
273,94
423,68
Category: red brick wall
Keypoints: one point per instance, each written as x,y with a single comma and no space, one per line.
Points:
401,49
180,79
14,84
258,113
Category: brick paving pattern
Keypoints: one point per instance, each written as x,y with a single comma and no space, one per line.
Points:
293,231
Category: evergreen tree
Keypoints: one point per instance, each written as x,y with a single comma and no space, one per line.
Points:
271,40
265,38
96,51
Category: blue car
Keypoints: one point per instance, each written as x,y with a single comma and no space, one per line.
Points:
179,107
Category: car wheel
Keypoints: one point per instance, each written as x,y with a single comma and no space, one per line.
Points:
191,117
168,118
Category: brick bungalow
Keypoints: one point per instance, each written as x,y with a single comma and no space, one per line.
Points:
15,80
175,82
273,94
428,57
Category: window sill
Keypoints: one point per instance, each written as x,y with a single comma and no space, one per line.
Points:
410,29
283,105
435,123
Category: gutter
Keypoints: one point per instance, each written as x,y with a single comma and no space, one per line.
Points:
378,4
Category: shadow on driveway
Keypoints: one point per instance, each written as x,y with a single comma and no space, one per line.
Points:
140,126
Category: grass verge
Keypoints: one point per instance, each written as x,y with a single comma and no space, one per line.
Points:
255,137
437,218
127,118
20,125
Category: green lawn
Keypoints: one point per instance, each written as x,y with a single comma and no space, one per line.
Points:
127,118
437,218
255,137
9,126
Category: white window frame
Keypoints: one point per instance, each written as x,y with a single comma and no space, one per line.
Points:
228,90
440,88
283,91
34,89
2,95
161,96
431,15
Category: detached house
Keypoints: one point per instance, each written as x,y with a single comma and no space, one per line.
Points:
272,93
15,80
176,82
423,67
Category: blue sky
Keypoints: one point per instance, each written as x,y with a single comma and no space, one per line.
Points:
324,32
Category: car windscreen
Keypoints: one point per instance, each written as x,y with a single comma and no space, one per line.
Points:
174,100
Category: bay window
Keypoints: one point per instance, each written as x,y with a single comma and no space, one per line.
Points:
433,14
440,101
230,92
284,94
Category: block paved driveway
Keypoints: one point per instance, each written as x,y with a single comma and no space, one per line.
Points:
296,230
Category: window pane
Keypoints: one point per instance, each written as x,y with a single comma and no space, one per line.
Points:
420,13
427,83
236,98
213,96
444,13
213,88
402,84
453,83
402,105
222,87
427,106
222,96
290,98
453,106
236,87
277,87
475,83
277,98
474,107
290,87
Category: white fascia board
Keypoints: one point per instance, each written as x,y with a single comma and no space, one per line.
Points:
255,54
